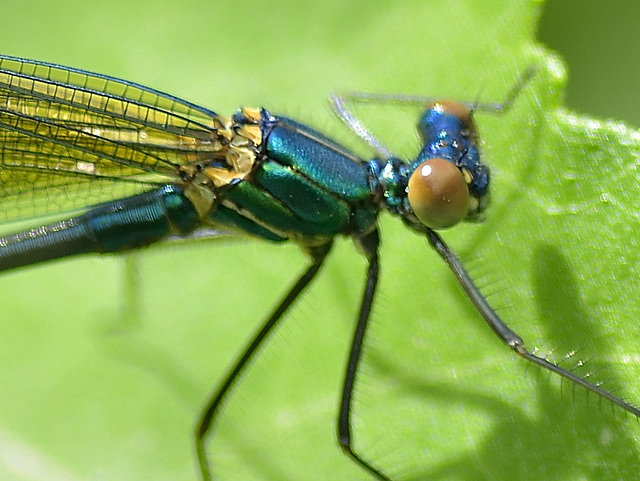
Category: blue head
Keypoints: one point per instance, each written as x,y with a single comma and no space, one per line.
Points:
447,182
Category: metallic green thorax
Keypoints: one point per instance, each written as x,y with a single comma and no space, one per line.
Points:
303,187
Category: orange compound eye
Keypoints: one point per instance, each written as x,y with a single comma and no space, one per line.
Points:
438,194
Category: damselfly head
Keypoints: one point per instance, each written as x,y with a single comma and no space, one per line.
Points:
448,183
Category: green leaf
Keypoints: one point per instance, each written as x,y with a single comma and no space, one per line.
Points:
106,362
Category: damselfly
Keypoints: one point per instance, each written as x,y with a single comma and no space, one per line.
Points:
123,166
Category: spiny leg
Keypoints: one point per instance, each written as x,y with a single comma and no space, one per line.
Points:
211,411
369,246
509,337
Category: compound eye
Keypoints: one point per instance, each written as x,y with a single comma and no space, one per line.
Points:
438,194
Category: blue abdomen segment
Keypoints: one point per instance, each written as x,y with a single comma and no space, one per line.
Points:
112,227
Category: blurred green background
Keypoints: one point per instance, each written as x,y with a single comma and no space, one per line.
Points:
440,398
600,42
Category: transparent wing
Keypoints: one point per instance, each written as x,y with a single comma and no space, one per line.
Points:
70,139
